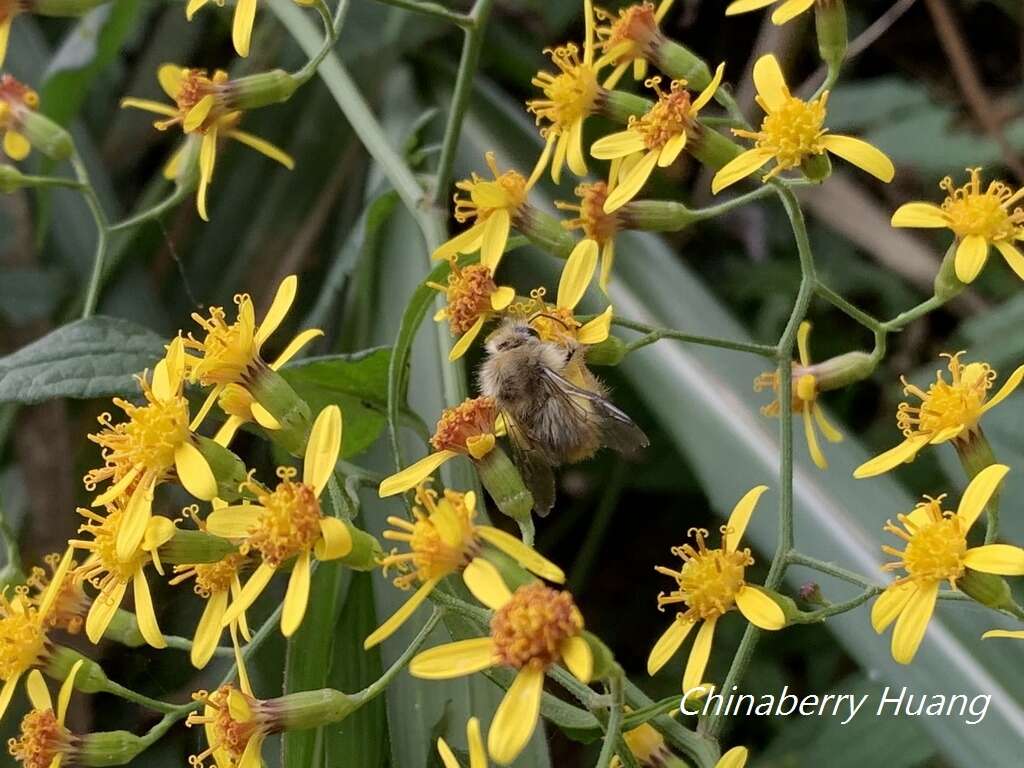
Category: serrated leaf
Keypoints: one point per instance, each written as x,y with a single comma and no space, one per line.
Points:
96,357
357,383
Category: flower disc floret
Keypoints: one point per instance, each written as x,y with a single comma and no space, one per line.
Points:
530,629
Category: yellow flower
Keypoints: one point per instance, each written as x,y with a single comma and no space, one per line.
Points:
532,629
979,218
647,745
1011,633
655,138
23,627
45,741
787,10
202,106
231,353
443,539
69,603
469,429
472,299
629,37
935,551
710,584
793,131
477,755
494,206
242,23
805,398
15,100
287,523
8,10
597,226
215,583
148,449
558,322
235,724
734,758
110,573
570,97
949,410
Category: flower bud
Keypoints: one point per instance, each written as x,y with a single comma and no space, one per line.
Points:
11,179
830,22
986,588
503,482
604,659
680,63
810,593
839,371
656,215
366,551
90,677
309,709
816,167
64,7
544,231
195,547
226,467
290,411
45,135
619,106
611,351
710,147
947,284
108,748
259,90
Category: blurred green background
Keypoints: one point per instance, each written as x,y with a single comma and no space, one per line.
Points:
938,90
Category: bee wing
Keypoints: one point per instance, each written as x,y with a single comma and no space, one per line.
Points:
617,430
534,469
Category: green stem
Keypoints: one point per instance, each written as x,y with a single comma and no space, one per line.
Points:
156,211
102,231
844,306
377,687
116,689
610,496
613,729
905,318
811,617
798,558
332,28
10,542
474,38
654,334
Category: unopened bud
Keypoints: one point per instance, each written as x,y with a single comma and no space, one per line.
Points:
90,677
544,231
680,63
259,90
839,371
611,351
503,482
619,106
195,547
309,709
947,284
830,21
816,167
656,215
986,588
108,748
226,467
810,593
45,135
710,147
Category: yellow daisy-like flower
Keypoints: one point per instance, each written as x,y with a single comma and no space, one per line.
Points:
629,36
472,299
110,573
805,398
216,583
45,741
653,139
793,131
23,627
980,219
558,322
647,746
936,551
202,107
468,429
477,754
597,226
242,23
710,584
287,523
69,603
493,205
787,10
153,445
443,539
16,99
532,629
235,724
949,410
231,353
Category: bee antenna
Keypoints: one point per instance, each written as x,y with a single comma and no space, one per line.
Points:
558,320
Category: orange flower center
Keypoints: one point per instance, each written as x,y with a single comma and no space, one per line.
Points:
42,739
468,294
211,577
631,33
106,565
71,603
289,521
226,734
668,118
709,579
974,211
506,192
947,404
14,94
466,427
531,627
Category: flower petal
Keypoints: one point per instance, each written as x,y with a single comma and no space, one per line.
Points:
1005,391
708,93
578,658
913,621
577,274
463,657
1001,559
447,756
617,145
919,215
209,628
1013,257
739,168
297,596
399,617
464,242
502,297
322,449
460,347
136,517
577,162
516,718
597,330
971,255
5,34
525,555
295,346
903,452
156,107
670,151
10,684
734,758
740,516
194,6
813,447
413,475
486,584
865,156
279,307
631,184
144,611
770,83
978,493
744,6
194,473
1012,633
759,609
199,112
699,655
56,585
233,522
102,611
64,697
789,10
890,605
207,162
241,29
335,540
170,77
668,644
38,693
264,147
477,755
252,589
495,236
16,145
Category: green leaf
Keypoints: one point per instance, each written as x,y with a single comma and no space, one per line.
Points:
357,383
97,357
